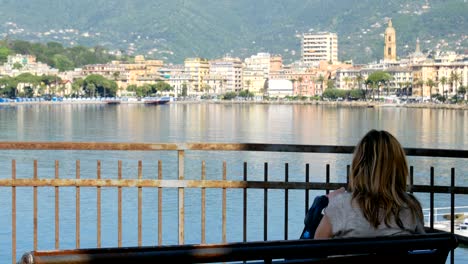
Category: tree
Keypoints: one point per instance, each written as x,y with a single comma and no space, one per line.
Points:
229,96
357,94
444,81
96,83
400,84
320,79
29,82
246,94
248,83
377,79
162,86
431,85
454,79
8,86
408,88
184,89
62,63
17,66
359,79
132,88
77,87
346,80
299,80
462,91
419,83
4,52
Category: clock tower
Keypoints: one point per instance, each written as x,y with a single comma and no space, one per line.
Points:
390,43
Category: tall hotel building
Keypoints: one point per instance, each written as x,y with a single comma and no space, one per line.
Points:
321,46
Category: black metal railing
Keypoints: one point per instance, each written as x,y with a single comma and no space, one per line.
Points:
181,183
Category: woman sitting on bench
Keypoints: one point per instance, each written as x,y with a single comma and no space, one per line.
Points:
376,203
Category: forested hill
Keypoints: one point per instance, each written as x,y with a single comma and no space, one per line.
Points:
176,29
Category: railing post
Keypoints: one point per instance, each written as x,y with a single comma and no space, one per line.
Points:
180,168
203,205
77,206
13,213
452,211
57,208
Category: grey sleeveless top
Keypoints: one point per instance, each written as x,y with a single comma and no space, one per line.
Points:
347,220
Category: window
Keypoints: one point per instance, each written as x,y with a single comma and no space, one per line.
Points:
389,51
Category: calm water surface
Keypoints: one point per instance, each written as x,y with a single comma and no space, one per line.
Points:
238,123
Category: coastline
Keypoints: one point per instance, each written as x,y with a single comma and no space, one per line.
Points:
332,103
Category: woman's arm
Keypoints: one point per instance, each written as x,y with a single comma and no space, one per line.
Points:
324,229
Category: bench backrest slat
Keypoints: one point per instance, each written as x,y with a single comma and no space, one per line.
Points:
427,248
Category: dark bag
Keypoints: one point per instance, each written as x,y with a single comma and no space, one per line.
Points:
314,216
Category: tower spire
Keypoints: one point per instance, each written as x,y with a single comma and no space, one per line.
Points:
418,48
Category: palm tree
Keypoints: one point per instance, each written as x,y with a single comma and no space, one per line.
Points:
320,79
419,83
377,79
300,79
431,85
248,82
408,85
454,79
346,79
400,84
359,79
443,81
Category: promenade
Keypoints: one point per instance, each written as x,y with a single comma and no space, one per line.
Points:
368,104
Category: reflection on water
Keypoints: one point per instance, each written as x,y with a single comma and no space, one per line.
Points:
239,123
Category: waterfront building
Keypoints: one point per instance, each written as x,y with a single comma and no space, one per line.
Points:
280,88
19,63
178,78
448,70
401,80
316,47
225,75
390,43
304,81
197,68
107,70
138,73
256,71
349,78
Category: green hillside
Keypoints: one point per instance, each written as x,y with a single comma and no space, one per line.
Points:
176,29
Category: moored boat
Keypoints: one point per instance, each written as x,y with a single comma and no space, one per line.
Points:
157,100
112,100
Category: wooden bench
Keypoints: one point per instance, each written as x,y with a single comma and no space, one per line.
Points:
427,248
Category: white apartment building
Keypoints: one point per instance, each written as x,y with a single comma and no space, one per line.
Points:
178,78
225,75
256,72
198,68
321,46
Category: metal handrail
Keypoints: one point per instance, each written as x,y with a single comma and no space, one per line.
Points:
181,183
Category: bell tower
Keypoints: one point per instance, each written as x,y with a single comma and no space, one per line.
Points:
390,43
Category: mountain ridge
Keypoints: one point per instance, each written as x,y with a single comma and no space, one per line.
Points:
177,29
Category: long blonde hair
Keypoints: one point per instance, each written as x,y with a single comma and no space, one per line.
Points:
378,177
